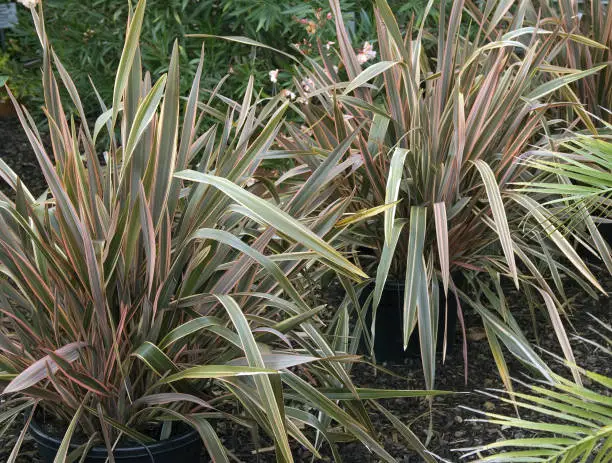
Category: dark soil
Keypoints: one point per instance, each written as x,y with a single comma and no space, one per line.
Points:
16,151
452,428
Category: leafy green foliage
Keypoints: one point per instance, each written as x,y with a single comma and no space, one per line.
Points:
23,78
573,423
89,37
581,195
585,163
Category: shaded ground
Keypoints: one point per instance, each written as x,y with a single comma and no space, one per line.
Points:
452,425
451,428
16,151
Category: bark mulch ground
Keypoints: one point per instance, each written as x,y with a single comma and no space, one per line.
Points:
16,151
453,427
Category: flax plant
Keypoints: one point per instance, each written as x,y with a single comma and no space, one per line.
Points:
585,28
137,292
432,148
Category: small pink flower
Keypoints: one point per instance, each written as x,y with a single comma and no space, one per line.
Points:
273,76
308,84
329,44
329,15
367,53
287,94
28,3
311,28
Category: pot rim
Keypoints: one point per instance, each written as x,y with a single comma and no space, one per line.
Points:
395,283
173,443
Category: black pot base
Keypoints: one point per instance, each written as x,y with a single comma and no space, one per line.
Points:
388,338
184,448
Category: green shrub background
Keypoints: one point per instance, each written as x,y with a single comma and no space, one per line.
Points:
88,37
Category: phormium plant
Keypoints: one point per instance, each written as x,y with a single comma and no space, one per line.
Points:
588,25
137,293
432,150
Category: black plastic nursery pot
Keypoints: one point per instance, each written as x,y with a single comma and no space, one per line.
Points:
389,336
184,448
606,232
